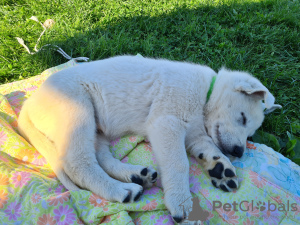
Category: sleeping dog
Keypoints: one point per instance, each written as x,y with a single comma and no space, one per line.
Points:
178,106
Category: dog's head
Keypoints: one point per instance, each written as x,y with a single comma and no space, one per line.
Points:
235,110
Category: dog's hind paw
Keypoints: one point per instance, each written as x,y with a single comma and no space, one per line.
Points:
146,178
133,193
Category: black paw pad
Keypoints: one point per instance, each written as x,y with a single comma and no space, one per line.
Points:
144,172
217,171
214,183
229,173
231,184
216,157
177,219
127,199
154,175
137,180
201,156
224,188
138,196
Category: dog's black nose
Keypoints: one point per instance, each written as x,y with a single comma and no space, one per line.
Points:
237,151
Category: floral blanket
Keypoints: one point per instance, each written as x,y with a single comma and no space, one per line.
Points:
30,193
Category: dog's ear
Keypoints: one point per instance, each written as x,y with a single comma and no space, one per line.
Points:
255,89
267,111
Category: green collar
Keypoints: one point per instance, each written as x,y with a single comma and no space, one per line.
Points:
211,87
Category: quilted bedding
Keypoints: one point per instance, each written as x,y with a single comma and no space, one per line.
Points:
30,193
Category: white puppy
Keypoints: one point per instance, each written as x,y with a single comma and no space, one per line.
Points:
77,111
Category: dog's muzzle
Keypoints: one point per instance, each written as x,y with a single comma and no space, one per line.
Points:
237,151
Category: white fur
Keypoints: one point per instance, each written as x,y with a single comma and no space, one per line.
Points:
162,100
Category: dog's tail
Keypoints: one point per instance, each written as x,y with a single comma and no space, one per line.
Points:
46,147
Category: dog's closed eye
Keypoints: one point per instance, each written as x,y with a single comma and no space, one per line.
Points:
244,119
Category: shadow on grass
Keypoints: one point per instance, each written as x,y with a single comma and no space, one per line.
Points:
238,36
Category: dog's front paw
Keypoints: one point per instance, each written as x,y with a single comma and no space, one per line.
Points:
146,177
179,205
223,175
221,171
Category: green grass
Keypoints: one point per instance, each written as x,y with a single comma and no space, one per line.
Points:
261,37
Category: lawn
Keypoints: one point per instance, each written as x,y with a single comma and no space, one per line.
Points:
261,37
